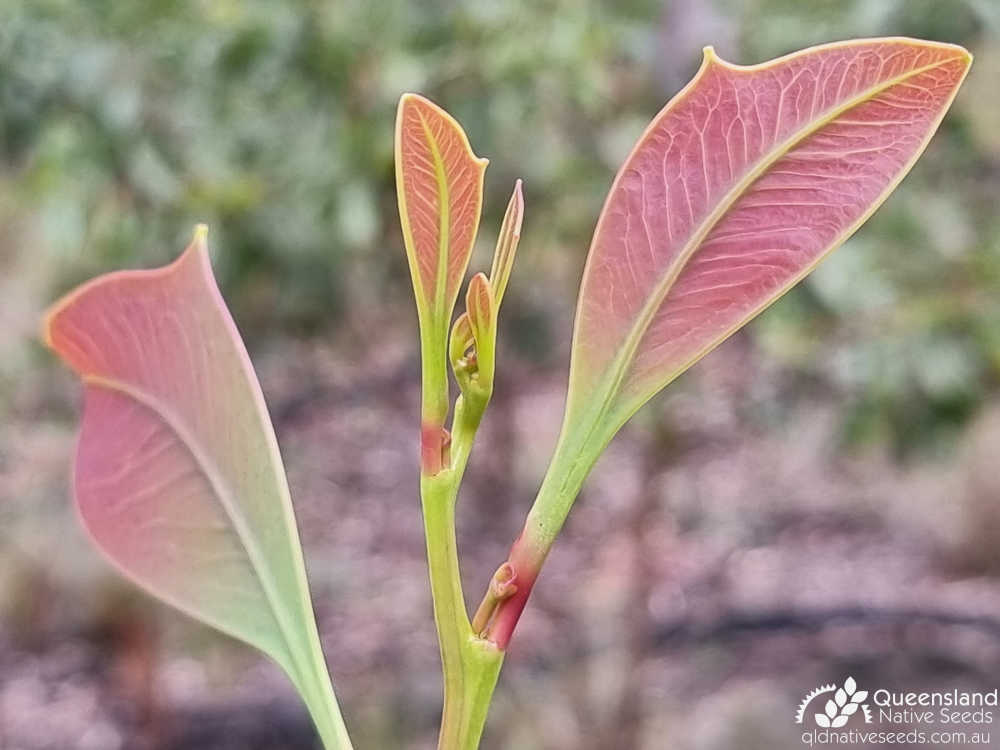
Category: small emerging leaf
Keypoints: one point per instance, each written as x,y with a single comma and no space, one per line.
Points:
482,311
177,475
510,236
461,340
439,187
462,352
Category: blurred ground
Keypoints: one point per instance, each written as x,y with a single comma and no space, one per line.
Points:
817,498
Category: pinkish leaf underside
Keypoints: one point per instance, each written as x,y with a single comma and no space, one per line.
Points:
177,474
743,182
139,488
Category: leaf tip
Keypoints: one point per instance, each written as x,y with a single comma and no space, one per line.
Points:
45,332
517,205
710,58
963,53
199,240
50,316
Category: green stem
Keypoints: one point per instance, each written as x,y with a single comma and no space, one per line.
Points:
470,664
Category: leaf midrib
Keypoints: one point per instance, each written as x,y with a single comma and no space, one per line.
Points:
444,218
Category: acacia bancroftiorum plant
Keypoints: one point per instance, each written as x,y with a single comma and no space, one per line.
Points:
736,190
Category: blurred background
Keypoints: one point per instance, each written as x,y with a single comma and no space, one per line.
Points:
817,498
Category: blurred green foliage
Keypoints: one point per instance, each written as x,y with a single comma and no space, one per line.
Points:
123,123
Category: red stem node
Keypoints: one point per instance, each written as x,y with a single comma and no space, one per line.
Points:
525,560
435,449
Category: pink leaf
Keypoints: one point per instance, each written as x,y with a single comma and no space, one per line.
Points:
177,475
439,188
439,184
737,189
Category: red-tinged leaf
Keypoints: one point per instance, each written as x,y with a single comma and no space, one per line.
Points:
439,183
177,475
737,189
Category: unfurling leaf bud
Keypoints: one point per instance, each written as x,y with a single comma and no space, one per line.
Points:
462,351
510,235
481,310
